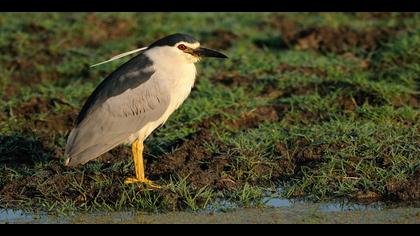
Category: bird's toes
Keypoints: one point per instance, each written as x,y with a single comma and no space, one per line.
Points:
149,184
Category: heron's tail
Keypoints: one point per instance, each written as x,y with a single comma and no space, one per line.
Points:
77,153
69,144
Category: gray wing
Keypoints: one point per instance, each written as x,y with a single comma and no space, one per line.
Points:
121,105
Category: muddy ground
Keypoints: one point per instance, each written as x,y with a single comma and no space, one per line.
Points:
34,127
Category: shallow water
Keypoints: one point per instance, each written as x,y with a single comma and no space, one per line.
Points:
276,210
325,207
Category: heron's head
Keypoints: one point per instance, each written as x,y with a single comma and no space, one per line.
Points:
184,47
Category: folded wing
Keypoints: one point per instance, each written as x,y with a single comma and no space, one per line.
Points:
121,105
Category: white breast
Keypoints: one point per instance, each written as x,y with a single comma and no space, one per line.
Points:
179,75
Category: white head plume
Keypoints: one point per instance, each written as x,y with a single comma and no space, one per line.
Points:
120,56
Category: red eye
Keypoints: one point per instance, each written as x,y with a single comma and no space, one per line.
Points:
182,47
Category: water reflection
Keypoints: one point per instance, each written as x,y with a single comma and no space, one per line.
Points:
13,216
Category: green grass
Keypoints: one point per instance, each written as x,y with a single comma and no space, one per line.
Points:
336,125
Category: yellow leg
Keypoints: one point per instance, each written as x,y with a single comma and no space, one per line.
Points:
137,149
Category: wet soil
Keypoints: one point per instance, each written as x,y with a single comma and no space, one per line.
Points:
324,39
202,167
407,190
341,40
194,161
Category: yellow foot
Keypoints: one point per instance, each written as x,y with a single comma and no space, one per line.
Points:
148,182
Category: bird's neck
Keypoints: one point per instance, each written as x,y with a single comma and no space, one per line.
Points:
172,66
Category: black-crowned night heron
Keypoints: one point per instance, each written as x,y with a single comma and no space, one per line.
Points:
135,99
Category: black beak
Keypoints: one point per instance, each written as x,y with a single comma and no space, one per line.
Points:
204,52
